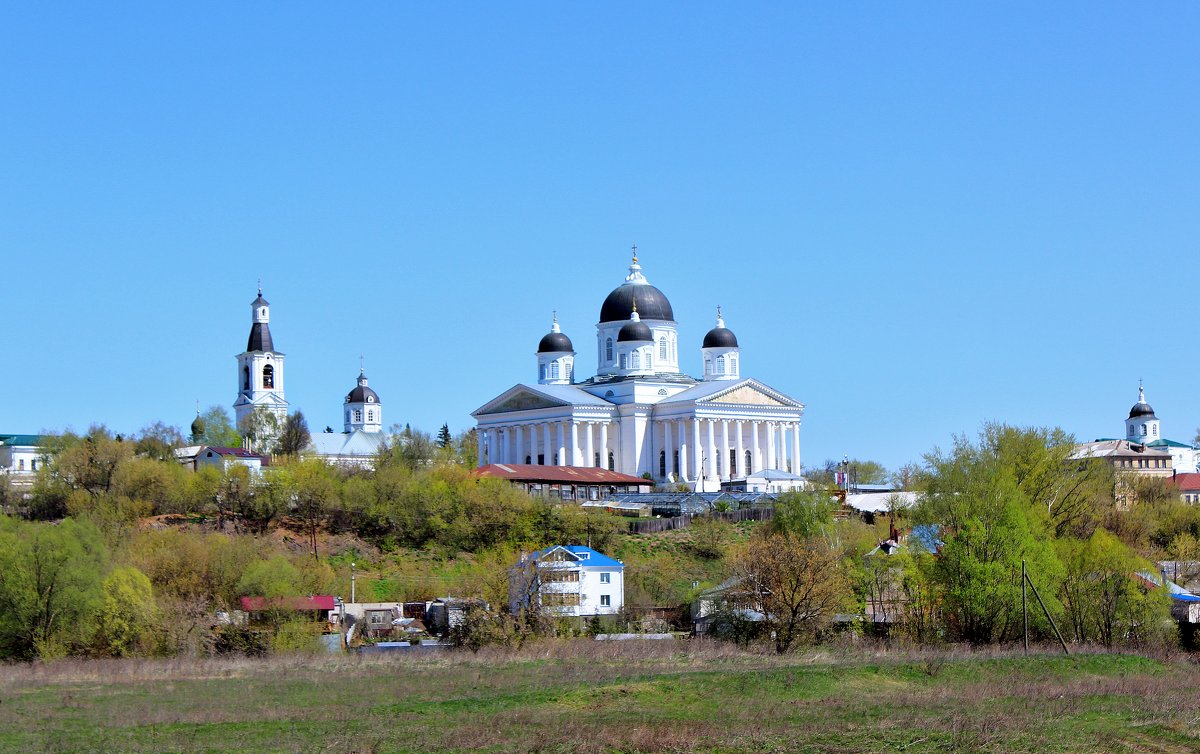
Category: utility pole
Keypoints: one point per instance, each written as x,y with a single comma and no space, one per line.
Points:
1025,605
352,599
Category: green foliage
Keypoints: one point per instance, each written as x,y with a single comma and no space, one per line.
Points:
275,577
127,612
805,513
443,437
50,586
709,537
296,636
294,435
218,429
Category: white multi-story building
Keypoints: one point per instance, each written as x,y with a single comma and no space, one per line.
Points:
569,581
640,413
21,454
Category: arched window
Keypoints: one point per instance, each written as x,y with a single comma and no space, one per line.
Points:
612,462
749,464
634,359
662,348
1143,430
268,377
720,365
608,349
707,367
245,378
541,371
554,370
528,460
662,463
597,460
358,415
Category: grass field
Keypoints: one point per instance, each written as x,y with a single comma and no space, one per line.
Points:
595,696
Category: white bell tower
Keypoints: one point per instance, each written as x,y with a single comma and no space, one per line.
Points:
260,370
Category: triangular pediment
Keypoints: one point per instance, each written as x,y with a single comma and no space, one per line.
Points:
520,398
751,393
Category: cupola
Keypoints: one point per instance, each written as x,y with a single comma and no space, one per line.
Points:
720,352
556,357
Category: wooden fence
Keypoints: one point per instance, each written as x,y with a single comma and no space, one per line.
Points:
652,525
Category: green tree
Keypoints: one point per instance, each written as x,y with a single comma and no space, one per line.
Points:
806,513
50,585
218,429
158,441
261,427
127,611
294,437
444,437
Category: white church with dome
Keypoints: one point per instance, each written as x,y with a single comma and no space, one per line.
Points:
639,414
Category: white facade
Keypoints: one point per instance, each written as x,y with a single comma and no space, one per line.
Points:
260,370
571,581
364,410
1145,428
226,458
20,454
646,416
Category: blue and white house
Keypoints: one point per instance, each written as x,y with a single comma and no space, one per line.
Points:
568,581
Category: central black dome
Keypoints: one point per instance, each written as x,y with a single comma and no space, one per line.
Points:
651,303
362,394
555,342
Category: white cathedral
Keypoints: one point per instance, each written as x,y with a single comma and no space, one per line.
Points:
260,380
639,413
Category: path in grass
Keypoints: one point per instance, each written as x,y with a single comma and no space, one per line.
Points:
609,700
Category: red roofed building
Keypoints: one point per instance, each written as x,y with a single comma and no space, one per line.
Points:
318,603
577,483
1189,487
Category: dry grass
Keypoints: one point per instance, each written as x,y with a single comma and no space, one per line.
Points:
609,696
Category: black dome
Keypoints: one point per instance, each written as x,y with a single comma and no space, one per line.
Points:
260,338
1141,409
651,303
635,331
720,337
362,394
555,342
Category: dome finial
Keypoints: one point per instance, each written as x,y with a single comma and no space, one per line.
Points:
1141,391
635,261
720,319
362,368
635,270
554,324
633,316
260,286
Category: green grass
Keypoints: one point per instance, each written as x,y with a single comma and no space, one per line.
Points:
588,696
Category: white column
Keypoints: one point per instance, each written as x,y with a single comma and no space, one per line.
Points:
770,445
591,452
562,443
683,449
755,429
519,431
795,447
668,449
712,449
698,454
480,444
741,453
574,443
604,445
781,453
547,451
727,472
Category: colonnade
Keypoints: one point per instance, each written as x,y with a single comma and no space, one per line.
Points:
570,442
687,448
718,448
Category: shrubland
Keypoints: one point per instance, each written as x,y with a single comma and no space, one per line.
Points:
117,550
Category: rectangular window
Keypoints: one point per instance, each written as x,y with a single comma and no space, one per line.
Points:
605,578
605,601
555,576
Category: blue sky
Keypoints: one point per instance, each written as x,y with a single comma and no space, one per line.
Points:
916,219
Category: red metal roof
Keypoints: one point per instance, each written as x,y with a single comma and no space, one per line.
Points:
1187,482
314,602
522,472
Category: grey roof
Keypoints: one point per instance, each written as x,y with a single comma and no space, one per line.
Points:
357,443
651,303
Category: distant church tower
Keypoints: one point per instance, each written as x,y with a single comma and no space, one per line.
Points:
260,369
1142,424
364,412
